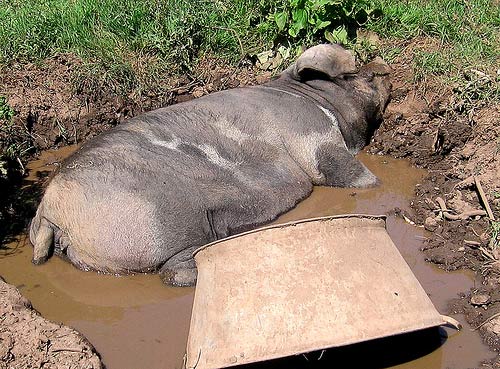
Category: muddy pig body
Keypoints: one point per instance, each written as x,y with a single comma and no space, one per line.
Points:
144,195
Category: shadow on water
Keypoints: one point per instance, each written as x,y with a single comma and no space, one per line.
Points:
377,354
17,206
22,194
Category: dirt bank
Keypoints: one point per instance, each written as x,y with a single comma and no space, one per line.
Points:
29,341
54,107
457,139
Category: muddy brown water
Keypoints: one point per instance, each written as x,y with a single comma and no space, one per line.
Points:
137,322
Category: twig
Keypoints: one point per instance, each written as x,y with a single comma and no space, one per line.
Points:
408,220
472,243
487,253
474,231
68,349
445,212
465,183
464,215
452,322
482,195
422,238
321,355
442,204
21,165
486,321
438,235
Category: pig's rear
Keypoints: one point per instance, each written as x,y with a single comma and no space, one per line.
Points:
96,228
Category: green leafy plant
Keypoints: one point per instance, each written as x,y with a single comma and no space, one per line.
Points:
6,112
331,20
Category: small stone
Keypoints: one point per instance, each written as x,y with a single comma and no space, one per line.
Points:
264,56
198,92
461,249
276,61
430,224
480,299
494,326
265,66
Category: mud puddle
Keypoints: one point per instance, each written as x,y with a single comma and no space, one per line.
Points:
137,322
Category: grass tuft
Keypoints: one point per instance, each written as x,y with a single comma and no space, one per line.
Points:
469,31
113,35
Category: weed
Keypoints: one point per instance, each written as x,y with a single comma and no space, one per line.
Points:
6,112
329,20
434,62
475,89
390,54
494,235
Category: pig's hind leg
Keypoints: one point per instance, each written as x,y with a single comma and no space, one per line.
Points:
180,270
42,238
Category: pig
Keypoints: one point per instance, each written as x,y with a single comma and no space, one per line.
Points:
145,195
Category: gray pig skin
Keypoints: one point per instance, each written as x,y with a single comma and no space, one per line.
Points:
146,194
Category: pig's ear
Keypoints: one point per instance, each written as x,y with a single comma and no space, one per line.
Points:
328,60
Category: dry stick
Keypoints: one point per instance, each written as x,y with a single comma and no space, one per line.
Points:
442,204
21,164
486,321
464,215
472,243
465,183
482,195
474,231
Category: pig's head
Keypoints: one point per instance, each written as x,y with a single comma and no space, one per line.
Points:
328,74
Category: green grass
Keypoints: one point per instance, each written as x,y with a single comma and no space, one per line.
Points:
110,29
115,34
469,31
133,41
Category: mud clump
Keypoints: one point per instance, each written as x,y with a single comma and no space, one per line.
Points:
51,109
29,341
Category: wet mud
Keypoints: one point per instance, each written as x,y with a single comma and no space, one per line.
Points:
137,322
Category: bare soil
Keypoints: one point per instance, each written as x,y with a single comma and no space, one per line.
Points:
454,139
29,341
56,108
